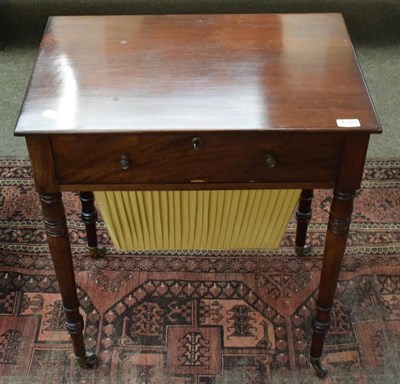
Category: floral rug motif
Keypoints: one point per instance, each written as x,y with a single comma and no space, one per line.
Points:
201,318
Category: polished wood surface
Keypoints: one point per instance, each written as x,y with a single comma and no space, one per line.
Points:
195,72
89,217
171,158
303,217
197,102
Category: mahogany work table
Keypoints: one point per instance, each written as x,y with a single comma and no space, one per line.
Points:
188,102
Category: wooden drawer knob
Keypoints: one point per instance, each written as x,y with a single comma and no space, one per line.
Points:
124,162
270,160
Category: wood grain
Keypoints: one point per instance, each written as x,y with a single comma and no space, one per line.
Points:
141,88
195,72
221,158
39,149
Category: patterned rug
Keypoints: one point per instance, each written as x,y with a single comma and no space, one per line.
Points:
198,318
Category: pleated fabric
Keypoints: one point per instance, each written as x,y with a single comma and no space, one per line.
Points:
196,220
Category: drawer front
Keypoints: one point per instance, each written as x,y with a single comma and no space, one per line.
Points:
189,157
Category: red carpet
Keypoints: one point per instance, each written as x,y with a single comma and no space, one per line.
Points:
201,318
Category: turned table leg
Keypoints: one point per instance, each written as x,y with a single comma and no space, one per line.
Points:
335,245
89,217
303,217
57,236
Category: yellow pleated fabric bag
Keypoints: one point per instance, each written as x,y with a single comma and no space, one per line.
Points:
196,220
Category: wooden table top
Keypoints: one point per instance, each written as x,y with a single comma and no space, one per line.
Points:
270,72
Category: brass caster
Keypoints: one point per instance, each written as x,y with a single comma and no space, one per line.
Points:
96,252
319,367
86,362
303,251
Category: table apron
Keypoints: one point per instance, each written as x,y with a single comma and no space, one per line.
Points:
279,160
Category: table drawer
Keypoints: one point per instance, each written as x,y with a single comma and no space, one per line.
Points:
191,157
